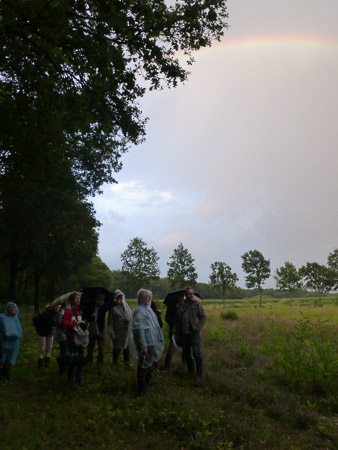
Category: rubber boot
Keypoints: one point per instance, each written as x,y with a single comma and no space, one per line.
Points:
40,363
116,353
199,369
142,380
126,358
191,366
46,361
6,371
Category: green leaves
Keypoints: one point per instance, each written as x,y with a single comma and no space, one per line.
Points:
288,278
257,270
140,263
181,270
222,278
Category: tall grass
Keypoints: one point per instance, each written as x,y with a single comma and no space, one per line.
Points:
268,384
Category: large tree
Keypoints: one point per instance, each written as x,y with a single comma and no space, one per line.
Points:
257,270
181,270
332,263
317,277
222,278
72,72
288,278
140,264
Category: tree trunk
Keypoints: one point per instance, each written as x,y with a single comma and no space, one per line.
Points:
36,291
13,272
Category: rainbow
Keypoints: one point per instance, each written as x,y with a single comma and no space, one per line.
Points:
294,41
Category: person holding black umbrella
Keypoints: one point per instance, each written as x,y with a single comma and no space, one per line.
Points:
173,300
189,322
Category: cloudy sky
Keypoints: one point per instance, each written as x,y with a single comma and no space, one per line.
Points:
244,155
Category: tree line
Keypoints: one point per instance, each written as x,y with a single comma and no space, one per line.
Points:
140,268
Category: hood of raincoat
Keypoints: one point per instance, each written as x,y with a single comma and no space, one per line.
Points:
7,306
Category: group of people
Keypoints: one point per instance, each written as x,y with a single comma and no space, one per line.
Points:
138,332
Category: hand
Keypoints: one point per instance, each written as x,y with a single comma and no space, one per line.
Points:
79,322
173,335
144,352
113,336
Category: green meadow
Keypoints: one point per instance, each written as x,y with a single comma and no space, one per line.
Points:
270,382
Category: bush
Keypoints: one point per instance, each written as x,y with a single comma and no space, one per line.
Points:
229,315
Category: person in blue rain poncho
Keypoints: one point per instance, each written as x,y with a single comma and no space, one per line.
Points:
148,338
10,335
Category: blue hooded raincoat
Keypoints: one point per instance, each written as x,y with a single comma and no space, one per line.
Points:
10,335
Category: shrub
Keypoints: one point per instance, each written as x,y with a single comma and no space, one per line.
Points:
229,315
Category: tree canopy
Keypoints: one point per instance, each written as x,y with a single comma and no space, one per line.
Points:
222,278
182,270
74,71
140,264
257,270
288,278
318,277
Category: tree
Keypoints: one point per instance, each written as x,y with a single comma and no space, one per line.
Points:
222,278
257,269
140,264
94,273
288,278
317,277
181,270
332,262
73,72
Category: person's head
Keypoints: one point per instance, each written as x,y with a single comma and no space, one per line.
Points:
11,308
99,300
144,297
74,299
118,296
54,308
180,298
189,294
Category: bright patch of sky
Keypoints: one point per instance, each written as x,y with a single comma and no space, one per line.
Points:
244,155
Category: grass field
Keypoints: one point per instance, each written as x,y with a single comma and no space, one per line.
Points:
270,382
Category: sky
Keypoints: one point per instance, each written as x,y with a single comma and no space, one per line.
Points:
243,156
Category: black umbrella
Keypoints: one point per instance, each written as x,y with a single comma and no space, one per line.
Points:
90,294
171,302
173,296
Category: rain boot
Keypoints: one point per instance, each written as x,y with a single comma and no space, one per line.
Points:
46,361
40,363
191,366
126,359
116,353
142,380
199,369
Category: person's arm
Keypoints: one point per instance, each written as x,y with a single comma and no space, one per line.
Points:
67,320
110,325
202,316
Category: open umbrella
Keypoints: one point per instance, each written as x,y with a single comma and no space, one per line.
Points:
62,299
171,301
173,296
89,295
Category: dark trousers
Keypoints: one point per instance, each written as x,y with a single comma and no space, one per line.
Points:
191,344
75,354
100,344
